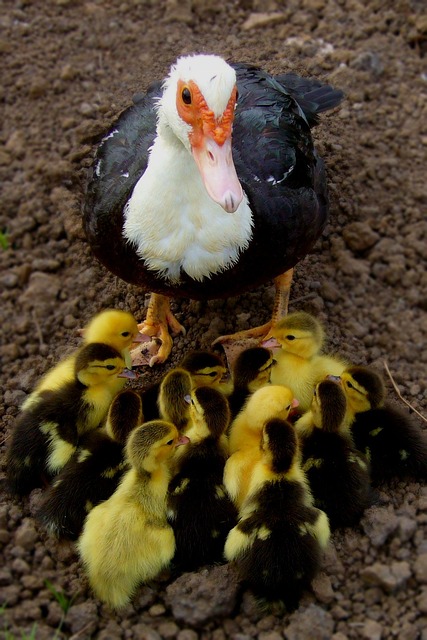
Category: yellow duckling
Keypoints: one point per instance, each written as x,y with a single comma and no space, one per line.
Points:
279,538
93,472
300,365
127,540
48,428
272,401
114,327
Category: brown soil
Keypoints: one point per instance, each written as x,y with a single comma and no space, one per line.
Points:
69,67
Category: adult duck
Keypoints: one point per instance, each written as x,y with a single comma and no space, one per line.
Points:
209,185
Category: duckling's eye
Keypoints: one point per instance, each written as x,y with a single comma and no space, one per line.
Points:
110,367
288,408
212,374
125,334
349,385
186,96
290,337
169,442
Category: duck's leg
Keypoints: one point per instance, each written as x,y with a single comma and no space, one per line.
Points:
158,321
234,343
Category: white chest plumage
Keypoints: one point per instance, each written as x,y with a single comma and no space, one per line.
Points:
173,223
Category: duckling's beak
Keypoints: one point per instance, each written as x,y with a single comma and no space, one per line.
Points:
128,373
182,440
140,337
272,344
336,379
295,403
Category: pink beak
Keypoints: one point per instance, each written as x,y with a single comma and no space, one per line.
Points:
128,373
216,166
182,440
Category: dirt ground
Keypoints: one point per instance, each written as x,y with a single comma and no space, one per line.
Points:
68,68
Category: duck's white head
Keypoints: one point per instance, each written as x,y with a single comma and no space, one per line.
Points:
198,106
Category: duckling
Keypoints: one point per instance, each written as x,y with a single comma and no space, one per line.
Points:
127,540
300,365
272,401
394,444
279,538
93,473
48,428
251,371
114,327
338,474
199,510
205,368
174,388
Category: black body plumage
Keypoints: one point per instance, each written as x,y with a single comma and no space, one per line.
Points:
338,475
89,477
394,444
284,555
277,165
199,510
28,453
94,471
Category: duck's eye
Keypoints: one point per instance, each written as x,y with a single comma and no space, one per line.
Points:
186,96
110,367
212,374
288,408
169,443
290,337
125,334
349,385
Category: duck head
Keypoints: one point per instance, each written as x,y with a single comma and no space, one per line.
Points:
197,108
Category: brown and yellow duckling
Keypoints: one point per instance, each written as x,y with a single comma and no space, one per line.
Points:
392,441
279,538
93,472
338,474
47,431
205,368
114,327
127,540
199,509
300,363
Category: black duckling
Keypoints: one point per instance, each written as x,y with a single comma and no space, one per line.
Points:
199,510
93,472
338,474
278,541
206,368
390,438
251,371
47,431
127,540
